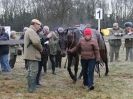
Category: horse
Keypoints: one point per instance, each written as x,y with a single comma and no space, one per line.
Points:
103,51
73,37
61,45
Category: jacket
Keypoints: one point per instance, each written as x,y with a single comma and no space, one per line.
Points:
32,45
4,49
88,49
115,42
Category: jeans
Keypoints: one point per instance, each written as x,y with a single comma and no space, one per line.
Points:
5,63
88,71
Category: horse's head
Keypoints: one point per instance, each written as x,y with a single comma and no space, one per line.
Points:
62,40
73,37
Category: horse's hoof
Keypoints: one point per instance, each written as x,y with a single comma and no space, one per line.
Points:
74,82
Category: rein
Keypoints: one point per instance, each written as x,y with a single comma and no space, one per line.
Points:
72,41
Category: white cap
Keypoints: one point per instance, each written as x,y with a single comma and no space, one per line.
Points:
46,28
60,29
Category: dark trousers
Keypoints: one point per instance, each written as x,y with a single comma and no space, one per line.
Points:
12,60
58,59
42,64
88,71
53,62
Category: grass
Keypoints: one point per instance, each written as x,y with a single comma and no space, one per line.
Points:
118,85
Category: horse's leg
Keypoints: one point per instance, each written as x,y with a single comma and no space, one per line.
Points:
105,60
97,69
81,73
76,65
69,67
107,68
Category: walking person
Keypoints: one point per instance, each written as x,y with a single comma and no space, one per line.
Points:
90,55
32,50
53,46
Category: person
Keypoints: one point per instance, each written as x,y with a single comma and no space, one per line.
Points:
32,50
4,51
53,46
129,41
90,55
44,54
13,50
115,43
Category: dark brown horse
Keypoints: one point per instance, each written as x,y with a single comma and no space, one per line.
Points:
73,37
103,51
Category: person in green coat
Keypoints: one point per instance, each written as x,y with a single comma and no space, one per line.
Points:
53,46
115,43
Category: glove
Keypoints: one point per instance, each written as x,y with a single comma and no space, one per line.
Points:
47,42
98,62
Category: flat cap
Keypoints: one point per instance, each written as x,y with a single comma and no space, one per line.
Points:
35,21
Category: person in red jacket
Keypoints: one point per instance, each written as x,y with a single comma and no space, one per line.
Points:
90,55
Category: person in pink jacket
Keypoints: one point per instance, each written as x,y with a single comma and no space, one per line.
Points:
90,55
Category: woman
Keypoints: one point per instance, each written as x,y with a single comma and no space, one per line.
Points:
13,50
53,46
89,57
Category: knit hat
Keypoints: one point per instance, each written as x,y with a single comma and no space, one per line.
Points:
87,32
128,24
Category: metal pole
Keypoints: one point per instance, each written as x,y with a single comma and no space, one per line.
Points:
99,25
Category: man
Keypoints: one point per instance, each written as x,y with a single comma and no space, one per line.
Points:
4,51
32,49
129,41
115,43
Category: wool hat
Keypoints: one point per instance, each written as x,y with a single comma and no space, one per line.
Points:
128,24
87,32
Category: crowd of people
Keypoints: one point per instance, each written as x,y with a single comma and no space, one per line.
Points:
40,44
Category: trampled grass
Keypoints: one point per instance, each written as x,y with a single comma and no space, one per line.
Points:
118,85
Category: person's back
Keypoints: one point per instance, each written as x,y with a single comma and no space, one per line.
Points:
4,51
3,37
